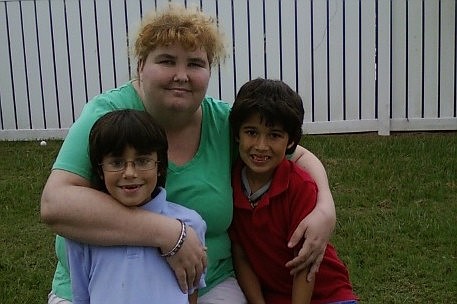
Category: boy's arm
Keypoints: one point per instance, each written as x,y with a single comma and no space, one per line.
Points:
302,289
193,297
246,277
317,227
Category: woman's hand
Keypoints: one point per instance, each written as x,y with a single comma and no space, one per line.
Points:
189,262
316,229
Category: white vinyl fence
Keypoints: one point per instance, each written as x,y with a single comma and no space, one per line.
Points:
359,65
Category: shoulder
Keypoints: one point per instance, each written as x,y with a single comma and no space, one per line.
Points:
299,177
189,216
215,119
122,97
216,106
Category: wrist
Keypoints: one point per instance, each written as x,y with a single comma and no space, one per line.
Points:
179,242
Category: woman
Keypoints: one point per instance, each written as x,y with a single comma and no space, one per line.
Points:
175,50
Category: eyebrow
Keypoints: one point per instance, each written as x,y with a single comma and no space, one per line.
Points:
164,56
198,60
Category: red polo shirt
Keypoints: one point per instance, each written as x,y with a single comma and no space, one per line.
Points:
264,231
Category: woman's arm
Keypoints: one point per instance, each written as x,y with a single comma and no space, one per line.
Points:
318,226
246,277
74,210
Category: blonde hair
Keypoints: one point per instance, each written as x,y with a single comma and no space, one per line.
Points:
189,27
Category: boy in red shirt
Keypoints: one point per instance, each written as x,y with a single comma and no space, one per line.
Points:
271,196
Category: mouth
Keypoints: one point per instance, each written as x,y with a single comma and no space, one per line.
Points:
179,89
260,158
130,187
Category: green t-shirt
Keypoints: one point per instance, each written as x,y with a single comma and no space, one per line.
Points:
202,184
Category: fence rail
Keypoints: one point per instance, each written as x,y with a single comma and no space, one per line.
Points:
359,65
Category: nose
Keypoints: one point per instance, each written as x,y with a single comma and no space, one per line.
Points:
129,169
181,74
261,143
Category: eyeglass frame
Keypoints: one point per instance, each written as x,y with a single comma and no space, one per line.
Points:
123,164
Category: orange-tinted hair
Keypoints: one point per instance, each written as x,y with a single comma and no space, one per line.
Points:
189,27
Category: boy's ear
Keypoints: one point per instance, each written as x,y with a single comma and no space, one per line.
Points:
291,144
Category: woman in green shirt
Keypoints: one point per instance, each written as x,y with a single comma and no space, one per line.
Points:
176,49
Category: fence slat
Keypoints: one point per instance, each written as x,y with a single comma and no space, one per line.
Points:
46,72
305,67
336,60
383,67
320,56
7,120
367,105
352,60
18,75
398,59
288,63
227,74
431,36
241,49
447,57
413,57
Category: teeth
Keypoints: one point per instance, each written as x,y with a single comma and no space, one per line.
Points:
130,187
259,158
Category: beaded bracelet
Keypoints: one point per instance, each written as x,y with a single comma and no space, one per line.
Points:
180,241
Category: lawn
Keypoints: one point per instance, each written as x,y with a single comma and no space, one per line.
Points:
396,200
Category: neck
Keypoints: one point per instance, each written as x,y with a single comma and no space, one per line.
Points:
257,181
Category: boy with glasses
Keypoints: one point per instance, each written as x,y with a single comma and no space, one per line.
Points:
128,153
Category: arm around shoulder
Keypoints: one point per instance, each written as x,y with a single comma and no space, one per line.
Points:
71,208
318,226
311,164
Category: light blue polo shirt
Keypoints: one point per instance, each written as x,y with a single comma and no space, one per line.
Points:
126,274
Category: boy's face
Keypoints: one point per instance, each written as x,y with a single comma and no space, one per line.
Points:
262,147
130,178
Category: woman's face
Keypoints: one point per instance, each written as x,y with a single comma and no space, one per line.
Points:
174,79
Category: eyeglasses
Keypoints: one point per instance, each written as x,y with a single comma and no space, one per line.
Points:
119,164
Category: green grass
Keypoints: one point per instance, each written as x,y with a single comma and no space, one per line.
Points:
396,200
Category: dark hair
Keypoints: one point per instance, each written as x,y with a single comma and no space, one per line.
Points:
117,130
275,102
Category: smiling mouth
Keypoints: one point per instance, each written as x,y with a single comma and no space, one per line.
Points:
130,187
258,158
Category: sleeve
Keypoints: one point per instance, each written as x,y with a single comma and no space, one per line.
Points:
73,155
78,262
199,225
